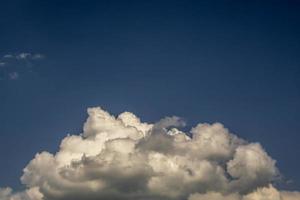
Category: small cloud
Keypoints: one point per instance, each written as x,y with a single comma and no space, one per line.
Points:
13,75
12,66
23,56
38,56
8,56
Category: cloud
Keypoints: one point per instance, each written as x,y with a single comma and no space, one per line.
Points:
12,66
38,56
214,196
30,194
264,193
8,56
124,158
24,56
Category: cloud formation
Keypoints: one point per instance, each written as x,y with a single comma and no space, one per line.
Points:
14,65
124,158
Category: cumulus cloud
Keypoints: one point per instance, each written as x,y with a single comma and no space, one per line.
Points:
264,193
30,194
124,158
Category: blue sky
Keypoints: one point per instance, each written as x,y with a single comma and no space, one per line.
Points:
234,62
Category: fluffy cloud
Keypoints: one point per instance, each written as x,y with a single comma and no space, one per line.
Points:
264,193
30,194
123,158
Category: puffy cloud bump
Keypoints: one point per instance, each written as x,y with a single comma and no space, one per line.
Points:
124,158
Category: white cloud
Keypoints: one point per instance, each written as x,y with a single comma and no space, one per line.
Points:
214,196
123,158
12,66
5,193
251,167
23,56
264,193
37,56
8,56
286,195
30,194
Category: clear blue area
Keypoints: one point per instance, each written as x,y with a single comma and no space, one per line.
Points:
232,61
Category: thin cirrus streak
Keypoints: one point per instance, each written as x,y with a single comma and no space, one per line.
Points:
123,158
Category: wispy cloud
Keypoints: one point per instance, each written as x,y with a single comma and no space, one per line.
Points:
8,56
24,56
12,66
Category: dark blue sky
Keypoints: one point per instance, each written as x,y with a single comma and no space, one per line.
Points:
232,61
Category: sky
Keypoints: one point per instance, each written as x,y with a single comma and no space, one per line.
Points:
228,61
